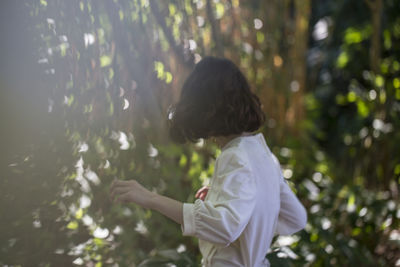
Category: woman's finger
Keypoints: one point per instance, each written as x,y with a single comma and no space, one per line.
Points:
120,183
117,183
123,198
198,192
201,191
118,191
123,188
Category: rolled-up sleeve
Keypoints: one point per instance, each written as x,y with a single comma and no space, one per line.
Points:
222,220
188,226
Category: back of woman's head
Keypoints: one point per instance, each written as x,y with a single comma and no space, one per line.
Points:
216,100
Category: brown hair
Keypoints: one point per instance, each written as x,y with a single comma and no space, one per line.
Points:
216,100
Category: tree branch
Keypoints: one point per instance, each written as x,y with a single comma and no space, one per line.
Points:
216,34
186,59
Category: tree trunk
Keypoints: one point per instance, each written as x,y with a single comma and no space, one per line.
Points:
376,7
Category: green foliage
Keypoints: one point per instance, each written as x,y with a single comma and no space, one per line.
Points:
168,257
85,100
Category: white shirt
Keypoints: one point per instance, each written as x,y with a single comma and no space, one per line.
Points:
247,204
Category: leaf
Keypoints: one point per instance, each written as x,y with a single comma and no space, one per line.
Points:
353,36
105,61
342,60
72,225
79,214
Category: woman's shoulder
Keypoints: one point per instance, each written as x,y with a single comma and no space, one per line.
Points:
232,158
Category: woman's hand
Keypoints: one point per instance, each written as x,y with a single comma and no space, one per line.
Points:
131,192
202,192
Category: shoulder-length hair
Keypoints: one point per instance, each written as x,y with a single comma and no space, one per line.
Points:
216,100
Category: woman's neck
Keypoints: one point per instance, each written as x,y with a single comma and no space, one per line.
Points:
221,141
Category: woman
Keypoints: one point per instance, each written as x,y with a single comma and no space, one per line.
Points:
248,201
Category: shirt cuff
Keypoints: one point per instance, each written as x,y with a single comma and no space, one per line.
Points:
188,227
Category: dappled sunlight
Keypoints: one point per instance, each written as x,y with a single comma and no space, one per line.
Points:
84,201
85,186
287,240
258,24
320,31
88,89
152,151
126,104
101,233
200,143
122,138
87,220
92,176
141,228
83,147
286,252
117,230
287,173
89,39
106,165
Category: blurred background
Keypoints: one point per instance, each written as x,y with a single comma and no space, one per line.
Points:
85,90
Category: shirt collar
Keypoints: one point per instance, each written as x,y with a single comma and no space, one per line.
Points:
237,139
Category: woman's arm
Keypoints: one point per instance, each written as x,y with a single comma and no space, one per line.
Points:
169,207
292,215
133,192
